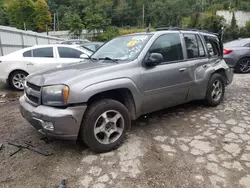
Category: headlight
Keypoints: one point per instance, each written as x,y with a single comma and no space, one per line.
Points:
56,95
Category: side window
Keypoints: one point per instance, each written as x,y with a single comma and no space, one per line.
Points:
169,46
43,52
247,45
27,54
192,46
201,47
65,52
212,46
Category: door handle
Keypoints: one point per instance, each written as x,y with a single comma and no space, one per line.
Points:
30,64
182,69
205,66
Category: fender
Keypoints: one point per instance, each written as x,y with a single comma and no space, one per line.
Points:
121,83
202,77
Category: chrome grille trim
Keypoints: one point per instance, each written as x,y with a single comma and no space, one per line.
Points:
32,94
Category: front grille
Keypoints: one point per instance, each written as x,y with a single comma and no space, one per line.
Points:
34,87
33,98
33,93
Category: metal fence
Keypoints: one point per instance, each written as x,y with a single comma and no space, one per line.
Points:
12,39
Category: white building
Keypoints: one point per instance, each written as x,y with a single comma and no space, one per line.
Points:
241,16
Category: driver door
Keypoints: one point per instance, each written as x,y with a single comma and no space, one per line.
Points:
168,83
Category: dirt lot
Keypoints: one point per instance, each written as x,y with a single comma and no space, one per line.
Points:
189,146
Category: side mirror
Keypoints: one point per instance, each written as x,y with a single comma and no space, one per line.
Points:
154,59
83,56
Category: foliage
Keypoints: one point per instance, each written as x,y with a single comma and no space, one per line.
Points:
43,16
109,33
74,23
21,13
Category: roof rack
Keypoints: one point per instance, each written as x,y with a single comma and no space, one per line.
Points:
181,29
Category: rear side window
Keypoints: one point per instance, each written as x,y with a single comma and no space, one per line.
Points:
65,52
27,54
194,46
43,52
213,46
169,46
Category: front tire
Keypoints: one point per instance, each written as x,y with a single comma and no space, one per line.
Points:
104,125
215,90
16,80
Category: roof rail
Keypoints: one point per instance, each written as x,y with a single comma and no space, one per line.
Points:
181,29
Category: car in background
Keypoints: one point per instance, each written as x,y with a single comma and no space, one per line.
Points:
75,42
93,46
15,66
237,55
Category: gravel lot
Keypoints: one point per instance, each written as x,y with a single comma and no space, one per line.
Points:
189,146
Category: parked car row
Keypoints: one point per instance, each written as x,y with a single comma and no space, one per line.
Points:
127,77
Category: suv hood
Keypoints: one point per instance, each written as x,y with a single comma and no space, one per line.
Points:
67,74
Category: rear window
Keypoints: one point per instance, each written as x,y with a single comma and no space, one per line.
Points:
43,52
27,54
213,45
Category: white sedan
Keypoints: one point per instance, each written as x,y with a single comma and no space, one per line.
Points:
16,66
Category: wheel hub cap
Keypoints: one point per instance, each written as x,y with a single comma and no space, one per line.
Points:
18,81
217,90
109,127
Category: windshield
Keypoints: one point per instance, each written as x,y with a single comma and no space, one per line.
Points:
125,48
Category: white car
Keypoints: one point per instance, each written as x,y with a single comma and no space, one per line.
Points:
16,66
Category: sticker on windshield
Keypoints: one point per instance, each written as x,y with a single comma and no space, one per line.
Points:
132,43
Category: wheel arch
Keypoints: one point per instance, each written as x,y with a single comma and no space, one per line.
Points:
123,95
15,70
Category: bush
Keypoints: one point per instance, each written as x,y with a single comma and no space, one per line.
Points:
109,33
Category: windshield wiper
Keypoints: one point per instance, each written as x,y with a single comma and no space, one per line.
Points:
110,59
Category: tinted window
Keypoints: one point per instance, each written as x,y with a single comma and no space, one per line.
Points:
191,45
43,52
27,54
213,46
247,45
169,46
201,47
65,52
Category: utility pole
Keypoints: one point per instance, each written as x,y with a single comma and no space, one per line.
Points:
54,23
24,26
143,15
57,19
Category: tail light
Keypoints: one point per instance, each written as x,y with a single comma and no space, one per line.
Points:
227,51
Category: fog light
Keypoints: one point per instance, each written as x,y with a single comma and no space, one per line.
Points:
48,126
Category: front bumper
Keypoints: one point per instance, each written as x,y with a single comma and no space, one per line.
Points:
66,122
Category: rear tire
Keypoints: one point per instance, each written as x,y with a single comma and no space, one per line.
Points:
104,125
243,65
16,80
215,90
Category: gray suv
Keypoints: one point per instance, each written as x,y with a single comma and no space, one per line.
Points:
129,76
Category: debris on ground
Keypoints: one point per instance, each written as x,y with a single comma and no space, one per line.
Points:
30,147
46,140
62,184
1,146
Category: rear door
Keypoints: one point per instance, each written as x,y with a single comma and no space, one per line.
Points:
68,55
166,84
40,58
198,62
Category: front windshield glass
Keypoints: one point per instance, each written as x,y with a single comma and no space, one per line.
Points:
125,48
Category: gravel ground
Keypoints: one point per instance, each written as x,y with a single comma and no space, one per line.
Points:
189,146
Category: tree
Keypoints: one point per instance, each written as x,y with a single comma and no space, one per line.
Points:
21,14
43,16
74,23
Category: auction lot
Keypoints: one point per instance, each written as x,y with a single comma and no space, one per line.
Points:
189,146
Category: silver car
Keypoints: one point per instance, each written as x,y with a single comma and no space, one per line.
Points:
237,55
127,77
